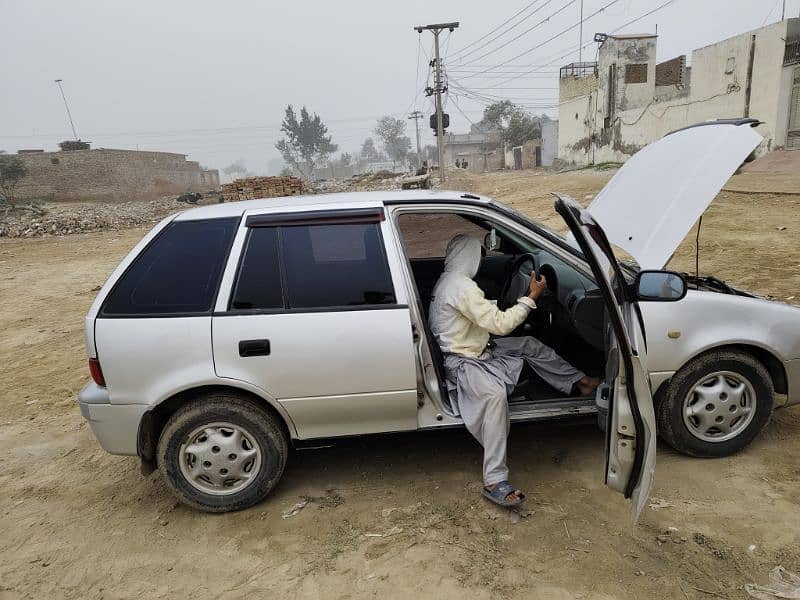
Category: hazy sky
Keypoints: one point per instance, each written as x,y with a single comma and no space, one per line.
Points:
212,79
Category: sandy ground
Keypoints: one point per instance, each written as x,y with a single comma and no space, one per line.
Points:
394,516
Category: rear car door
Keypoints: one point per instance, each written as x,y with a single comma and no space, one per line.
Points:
630,421
310,314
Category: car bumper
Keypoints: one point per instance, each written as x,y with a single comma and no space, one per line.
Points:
116,426
792,368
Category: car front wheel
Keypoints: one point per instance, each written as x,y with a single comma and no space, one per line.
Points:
716,404
222,452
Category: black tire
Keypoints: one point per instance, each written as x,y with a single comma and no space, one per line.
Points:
669,415
241,411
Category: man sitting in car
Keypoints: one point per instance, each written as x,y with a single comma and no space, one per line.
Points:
482,370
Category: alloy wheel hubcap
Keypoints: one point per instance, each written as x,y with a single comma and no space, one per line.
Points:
220,458
719,407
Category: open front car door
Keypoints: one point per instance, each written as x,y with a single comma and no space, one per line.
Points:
630,425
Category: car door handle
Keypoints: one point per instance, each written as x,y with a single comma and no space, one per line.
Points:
254,348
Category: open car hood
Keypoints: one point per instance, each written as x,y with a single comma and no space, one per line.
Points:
653,201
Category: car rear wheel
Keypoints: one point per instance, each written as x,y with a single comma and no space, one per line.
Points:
222,452
716,404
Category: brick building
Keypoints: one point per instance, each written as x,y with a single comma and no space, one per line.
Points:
111,175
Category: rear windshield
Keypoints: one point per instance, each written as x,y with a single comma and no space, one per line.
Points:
177,273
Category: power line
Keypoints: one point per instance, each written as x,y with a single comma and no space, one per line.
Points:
554,37
502,33
615,30
522,10
515,38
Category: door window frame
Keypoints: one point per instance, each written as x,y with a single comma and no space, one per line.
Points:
307,216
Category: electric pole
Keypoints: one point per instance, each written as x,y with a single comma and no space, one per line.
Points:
417,115
69,115
438,86
580,37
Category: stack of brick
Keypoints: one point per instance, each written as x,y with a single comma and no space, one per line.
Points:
251,188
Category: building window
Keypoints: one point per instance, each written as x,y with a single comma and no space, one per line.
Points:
636,73
791,55
730,65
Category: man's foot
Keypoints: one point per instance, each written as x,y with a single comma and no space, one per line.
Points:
504,494
587,385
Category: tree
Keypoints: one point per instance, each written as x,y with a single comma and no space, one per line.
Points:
515,124
368,150
306,143
236,169
429,153
345,159
12,170
392,133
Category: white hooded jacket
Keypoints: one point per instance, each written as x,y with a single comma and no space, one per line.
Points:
460,316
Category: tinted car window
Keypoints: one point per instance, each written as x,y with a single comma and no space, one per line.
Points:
178,272
335,265
259,282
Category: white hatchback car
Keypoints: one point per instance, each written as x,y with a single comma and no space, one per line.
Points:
233,331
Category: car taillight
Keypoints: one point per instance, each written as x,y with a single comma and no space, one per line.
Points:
97,372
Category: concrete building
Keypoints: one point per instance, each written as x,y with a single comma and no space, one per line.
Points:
485,151
111,175
468,145
610,109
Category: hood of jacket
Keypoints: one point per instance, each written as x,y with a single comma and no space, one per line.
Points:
463,256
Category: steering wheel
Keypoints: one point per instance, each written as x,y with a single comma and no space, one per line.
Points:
518,283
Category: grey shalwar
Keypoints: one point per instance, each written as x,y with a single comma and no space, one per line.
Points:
461,319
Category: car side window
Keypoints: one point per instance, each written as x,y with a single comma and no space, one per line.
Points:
335,265
258,284
177,273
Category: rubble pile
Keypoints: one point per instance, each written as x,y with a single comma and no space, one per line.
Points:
65,219
380,181
251,188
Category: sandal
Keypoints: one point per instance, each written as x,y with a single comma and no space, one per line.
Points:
500,493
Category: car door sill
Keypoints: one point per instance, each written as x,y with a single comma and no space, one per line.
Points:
531,411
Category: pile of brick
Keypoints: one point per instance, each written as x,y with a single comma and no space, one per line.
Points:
252,188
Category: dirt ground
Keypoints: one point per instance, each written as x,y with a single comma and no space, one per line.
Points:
393,516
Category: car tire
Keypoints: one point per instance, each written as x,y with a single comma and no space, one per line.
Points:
222,452
727,387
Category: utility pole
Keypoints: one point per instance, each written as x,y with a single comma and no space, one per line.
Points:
438,86
69,115
580,36
417,115
783,10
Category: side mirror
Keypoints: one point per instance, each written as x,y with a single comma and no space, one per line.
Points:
659,286
492,241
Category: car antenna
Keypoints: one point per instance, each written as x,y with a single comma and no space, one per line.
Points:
697,248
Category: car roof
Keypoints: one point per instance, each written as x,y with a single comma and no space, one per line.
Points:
328,201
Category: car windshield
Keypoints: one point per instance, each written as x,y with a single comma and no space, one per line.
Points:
629,268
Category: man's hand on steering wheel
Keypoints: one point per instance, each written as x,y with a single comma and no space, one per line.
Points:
538,285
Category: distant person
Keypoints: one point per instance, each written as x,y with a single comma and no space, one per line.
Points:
464,164
423,169
458,163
